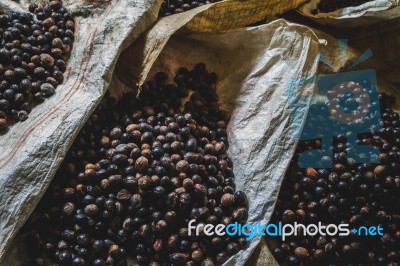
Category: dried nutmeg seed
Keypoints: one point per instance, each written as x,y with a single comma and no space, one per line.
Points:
124,195
136,201
68,209
222,257
379,170
145,182
198,255
142,164
184,198
47,60
301,253
173,241
220,147
170,217
3,123
47,89
207,262
288,216
227,200
91,209
240,215
200,190
182,166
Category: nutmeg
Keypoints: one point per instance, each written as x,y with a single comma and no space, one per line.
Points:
142,164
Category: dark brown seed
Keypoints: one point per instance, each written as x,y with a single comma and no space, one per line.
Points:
3,123
9,74
115,133
227,200
319,254
142,164
182,166
136,201
55,4
70,25
240,215
207,262
173,241
220,147
47,23
184,198
91,209
47,89
68,208
124,195
145,182
198,255
114,180
301,253
170,217
200,190
187,183
288,216
47,60
222,257
379,170
161,226
172,199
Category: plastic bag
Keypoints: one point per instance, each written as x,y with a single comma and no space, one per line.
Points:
370,13
254,65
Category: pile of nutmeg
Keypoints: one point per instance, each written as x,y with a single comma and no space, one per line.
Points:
358,194
33,53
138,172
